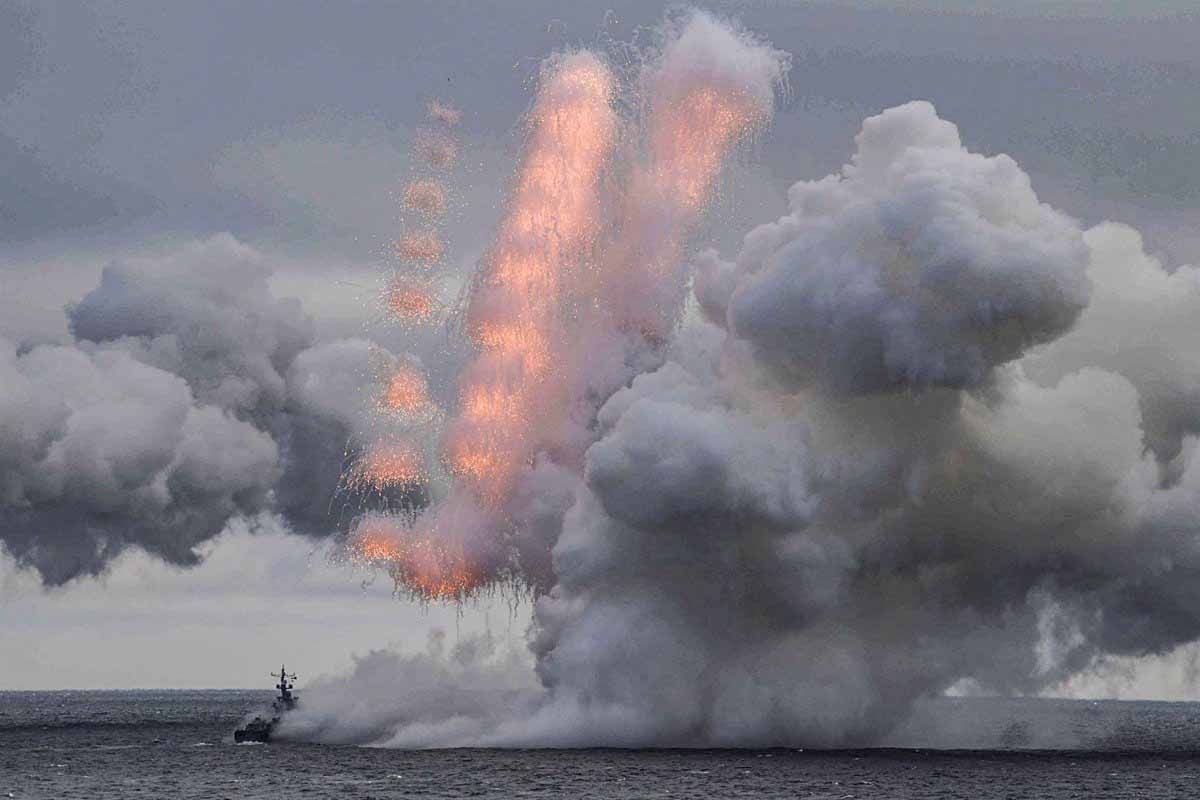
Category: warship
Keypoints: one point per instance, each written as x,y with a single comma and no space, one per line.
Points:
259,729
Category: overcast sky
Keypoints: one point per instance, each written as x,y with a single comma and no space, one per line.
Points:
130,129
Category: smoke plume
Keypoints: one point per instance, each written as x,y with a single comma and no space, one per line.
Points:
926,432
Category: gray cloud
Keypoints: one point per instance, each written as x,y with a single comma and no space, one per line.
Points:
190,396
102,451
205,313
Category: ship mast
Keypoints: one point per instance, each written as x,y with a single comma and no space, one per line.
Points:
285,686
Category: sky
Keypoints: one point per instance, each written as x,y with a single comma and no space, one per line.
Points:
131,133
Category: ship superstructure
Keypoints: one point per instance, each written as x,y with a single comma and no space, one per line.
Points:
259,729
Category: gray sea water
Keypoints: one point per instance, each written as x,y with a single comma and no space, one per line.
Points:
178,744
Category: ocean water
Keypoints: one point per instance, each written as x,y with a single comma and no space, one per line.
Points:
179,744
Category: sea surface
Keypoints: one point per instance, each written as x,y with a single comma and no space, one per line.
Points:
179,744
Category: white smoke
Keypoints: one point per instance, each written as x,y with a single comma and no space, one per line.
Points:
908,456
1140,324
449,696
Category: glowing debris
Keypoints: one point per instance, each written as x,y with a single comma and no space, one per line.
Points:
422,247
514,312
386,466
427,567
405,392
409,300
436,148
425,196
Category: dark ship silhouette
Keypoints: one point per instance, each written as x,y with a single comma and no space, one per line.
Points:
259,729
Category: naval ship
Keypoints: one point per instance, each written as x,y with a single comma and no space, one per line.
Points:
259,729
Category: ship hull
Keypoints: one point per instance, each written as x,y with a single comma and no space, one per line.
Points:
240,736
257,731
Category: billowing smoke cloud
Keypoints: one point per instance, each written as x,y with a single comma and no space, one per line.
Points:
920,265
191,395
930,434
101,451
1140,324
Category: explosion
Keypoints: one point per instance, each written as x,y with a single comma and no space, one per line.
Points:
684,163
706,94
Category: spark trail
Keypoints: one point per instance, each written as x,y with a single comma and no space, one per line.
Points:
514,313
406,392
585,258
387,465
425,196
427,567
422,248
409,299
704,95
